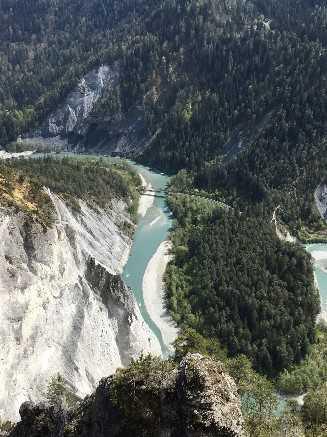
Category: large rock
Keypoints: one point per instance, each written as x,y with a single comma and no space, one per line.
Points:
208,398
40,420
153,398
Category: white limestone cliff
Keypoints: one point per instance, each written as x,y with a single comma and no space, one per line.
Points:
70,118
80,102
321,200
64,308
76,125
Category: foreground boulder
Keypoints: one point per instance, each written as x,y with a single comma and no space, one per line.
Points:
151,398
40,421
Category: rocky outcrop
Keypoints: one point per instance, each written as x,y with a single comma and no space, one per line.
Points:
121,307
208,398
124,136
321,200
64,308
76,124
69,122
70,117
40,420
152,399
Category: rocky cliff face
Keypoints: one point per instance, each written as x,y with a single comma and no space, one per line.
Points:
76,125
321,200
69,118
64,308
152,399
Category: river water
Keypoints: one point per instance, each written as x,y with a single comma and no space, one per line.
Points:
151,231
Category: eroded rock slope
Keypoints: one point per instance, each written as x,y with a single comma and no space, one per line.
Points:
64,308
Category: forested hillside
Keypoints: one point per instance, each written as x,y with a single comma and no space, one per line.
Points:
45,48
233,90
232,279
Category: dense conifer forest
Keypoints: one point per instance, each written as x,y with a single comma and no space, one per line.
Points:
233,279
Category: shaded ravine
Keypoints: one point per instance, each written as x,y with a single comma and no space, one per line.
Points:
152,230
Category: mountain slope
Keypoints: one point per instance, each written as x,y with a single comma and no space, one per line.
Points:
239,85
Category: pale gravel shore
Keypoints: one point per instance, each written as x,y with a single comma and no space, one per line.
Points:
146,201
319,255
154,294
320,259
6,155
323,314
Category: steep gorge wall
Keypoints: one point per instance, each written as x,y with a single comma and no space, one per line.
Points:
76,125
64,308
321,199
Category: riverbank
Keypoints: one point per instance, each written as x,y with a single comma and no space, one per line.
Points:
154,223
319,256
320,259
7,155
146,199
154,294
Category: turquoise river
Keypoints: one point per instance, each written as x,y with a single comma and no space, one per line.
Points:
151,231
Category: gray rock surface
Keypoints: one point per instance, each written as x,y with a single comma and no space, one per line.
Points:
321,200
64,308
70,117
208,397
196,399
41,420
75,124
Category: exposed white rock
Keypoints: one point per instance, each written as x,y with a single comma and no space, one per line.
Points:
71,117
147,198
63,307
154,294
97,233
7,155
74,125
80,102
321,200
281,230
